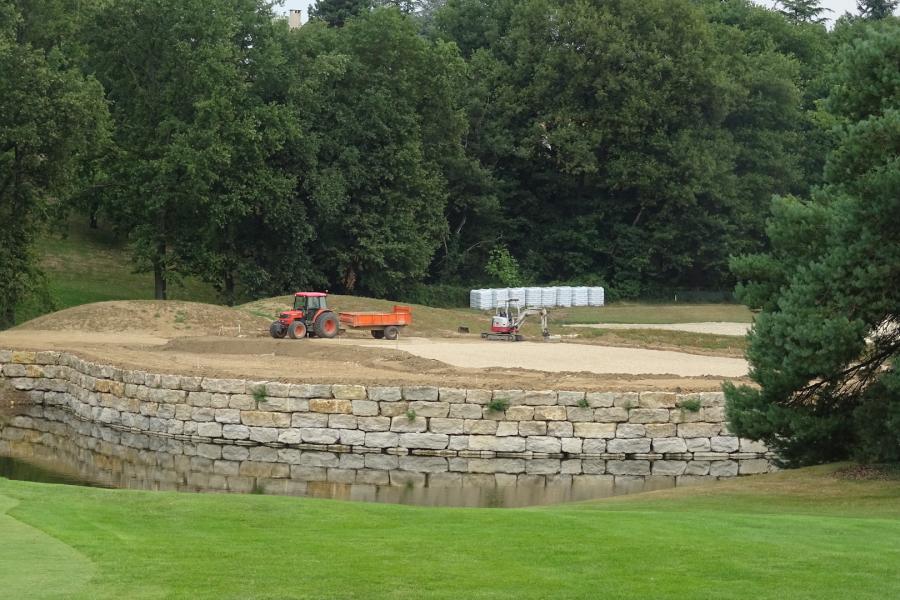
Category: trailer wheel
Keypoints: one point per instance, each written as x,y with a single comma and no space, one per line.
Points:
378,334
327,325
297,330
277,330
391,333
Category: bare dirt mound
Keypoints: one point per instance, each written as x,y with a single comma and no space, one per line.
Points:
166,319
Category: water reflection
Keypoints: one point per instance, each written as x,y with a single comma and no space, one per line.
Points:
55,447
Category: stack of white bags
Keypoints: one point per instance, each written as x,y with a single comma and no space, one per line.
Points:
537,297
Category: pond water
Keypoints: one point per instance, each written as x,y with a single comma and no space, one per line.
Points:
68,451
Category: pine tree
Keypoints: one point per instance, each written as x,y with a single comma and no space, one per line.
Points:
876,9
803,11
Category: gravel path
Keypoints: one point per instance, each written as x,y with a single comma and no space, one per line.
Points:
570,357
717,328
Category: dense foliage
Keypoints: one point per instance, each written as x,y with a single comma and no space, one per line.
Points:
824,350
388,144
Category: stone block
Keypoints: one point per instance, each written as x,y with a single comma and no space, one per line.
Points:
579,414
209,429
571,445
393,409
329,406
385,394
423,464
723,468
23,358
240,401
496,444
550,445
432,441
290,436
630,430
365,408
569,398
465,411
614,414
753,466
511,397
452,395
507,428
669,467
600,399
723,444
520,413
235,432
382,461
669,445
381,439
353,437
657,400
421,393
263,435
550,413
627,400
309,420
595,430
496,465
259,418
227,415
430,409
560,429
404,424
263,454
648,415
570,467
699,430
541,398
209,451
626,446
223,386
697,444
479,427
449,426
348,392
697,467
527,428
628,467
373,423
309,390
660,430
236,453
342,421
542,466
479,396
317,435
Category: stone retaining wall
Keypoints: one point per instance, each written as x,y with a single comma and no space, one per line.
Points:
438,429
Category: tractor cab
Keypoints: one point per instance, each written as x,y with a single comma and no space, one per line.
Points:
309,301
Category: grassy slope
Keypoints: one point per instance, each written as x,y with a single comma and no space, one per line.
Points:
84,266
788,535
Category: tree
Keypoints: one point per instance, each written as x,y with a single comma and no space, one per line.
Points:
337,12
49,115
195,138
803,11
824,348
386,120
876,9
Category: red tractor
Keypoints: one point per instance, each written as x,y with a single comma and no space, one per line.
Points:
310,316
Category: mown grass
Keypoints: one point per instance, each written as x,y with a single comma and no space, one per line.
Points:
84,265
799,534
627,312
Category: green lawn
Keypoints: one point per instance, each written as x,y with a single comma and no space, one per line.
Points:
800,534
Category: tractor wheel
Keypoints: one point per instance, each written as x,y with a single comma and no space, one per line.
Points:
327,325
391,333
277,330
297,330
378,334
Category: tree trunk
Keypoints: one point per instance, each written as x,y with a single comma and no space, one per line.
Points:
7,317
159,260
229,287
93,217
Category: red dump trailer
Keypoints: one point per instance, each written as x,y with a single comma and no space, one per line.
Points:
382,325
